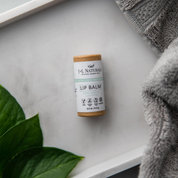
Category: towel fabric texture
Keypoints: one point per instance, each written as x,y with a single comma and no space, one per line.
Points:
157,22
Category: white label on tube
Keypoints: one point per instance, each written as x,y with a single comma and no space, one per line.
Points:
89,86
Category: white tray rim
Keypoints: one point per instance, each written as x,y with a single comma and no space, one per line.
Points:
25,10
115,165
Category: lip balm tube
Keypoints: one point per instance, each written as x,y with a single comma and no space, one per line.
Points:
89,87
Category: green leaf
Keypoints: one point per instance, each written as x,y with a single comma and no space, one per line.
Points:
22,136
10,111
43,162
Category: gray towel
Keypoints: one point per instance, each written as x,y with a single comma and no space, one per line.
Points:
157,22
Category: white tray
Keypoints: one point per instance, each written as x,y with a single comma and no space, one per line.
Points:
37,68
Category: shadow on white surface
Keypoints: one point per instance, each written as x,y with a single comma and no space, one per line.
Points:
130,173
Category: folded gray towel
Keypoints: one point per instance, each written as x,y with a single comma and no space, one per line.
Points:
160,98
157,22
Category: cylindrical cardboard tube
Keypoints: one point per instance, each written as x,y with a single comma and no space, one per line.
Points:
89,85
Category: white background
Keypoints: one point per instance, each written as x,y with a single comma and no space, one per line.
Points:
6,5
36,66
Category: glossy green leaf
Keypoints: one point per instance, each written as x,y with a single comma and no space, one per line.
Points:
10,111
22,136
41,162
